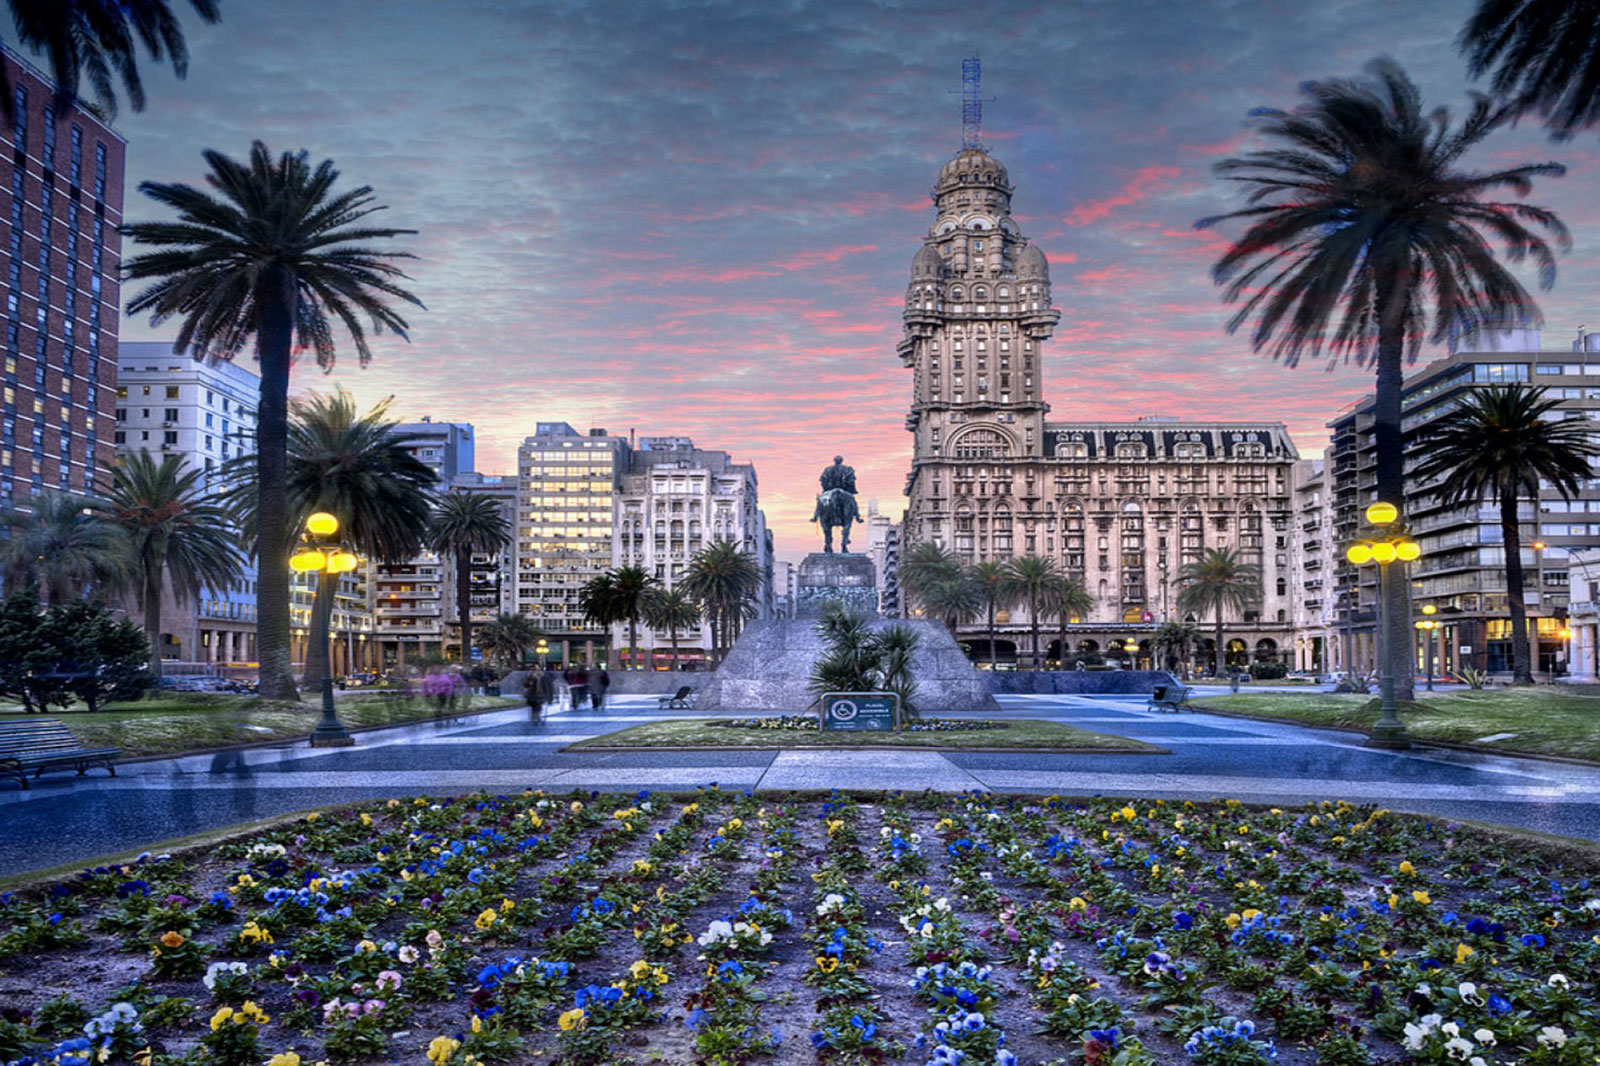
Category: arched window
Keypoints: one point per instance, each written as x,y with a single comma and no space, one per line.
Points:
1072,449
980,443
1188,449
1132,451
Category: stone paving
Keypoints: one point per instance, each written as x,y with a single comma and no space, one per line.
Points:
66,819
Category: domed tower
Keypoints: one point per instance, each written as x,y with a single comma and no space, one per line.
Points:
976,315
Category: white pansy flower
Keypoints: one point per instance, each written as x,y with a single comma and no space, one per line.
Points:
1458,1048
1484,1037
1552,1036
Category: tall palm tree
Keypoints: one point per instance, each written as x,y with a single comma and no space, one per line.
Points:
1500,442
952,598
176,537
462,524
725,582
274,257
1365,235
1175,640
357,468
65,546
1068,599
1544,55
925,565
1219,580
508,637
619,595
1030,579
93,38
672,610
989,578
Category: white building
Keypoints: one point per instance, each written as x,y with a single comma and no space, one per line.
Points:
493,593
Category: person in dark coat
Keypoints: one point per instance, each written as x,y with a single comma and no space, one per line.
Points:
578,685
540,689
598,686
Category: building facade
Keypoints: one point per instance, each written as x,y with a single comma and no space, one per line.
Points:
674,500
1322,645
492,590
567,485
1462,570
62,176
883,546
1121,506
204,414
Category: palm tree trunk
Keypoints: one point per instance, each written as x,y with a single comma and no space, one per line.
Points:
275,333
633,641
1033,613
317,664
672,635
464,603
152,618
992,656
1061,653
1388,443
1511,531
1222,655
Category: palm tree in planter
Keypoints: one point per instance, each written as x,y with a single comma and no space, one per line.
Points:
1544,55
671,610
176,537
1030,580
989,578
1175,641
357,468
725,582
273,257
1218,581
464,524
1069,600
1501,442
507,639
62,545
1365,235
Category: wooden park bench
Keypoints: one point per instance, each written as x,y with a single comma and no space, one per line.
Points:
1168,696
682,700
40,744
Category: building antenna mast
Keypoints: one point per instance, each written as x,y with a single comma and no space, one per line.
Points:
971,104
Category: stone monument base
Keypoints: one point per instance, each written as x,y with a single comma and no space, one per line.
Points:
835,577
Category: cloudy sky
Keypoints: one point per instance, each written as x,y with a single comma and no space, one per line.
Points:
698,218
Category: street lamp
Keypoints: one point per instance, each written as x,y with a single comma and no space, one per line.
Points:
543,649
327,561
1389,545
1428,628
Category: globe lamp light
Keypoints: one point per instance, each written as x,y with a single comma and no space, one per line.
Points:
1408,551
342,562
1384,553
1381,514
322,524
1359,554
307,562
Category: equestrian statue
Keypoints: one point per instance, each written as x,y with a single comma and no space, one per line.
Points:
836,504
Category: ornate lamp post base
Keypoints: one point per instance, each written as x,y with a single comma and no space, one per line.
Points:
1389,737
330,732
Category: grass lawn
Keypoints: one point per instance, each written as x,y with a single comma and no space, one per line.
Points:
1541,721
701,733
173,723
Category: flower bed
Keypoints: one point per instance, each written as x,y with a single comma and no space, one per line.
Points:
732,928
811,723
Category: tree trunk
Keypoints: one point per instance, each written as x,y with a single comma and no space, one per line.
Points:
1033,612
318,665
152,619
992,657
464,603
1511,531
1388,442
672,635
275,299
1222,654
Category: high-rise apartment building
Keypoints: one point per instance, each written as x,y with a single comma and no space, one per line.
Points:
62,177
567,484
1462,569
493,592
1320,641
675,499
1121,506
883,546
203,414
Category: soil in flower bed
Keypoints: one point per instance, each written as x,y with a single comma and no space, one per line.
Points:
788,732
724,927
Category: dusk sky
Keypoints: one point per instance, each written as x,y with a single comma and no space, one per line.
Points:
699,218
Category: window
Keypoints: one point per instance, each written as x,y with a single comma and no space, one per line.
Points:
1491,373
172,392
169,414
169,437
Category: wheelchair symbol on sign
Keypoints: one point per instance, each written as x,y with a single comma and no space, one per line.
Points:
845,710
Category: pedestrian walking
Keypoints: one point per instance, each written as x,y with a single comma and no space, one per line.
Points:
539,689
577,678
598,686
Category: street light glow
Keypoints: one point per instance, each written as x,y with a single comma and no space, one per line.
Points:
1382,514
1384,552
309,561
1359,554
322,524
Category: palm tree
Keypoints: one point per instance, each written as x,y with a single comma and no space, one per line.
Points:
1501,442
95,38
725,582
465,523
1175,640
1068,599
1544,55
672,610
990,580
951,598
176,537
357,468
1364,235
619,595
272,258
63,545
508,638
926,566
1030,578
1219,580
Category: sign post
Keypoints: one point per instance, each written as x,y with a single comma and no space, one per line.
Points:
872,712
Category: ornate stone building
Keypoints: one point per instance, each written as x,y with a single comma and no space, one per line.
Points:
1119,505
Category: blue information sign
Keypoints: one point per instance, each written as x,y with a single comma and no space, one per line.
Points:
875,712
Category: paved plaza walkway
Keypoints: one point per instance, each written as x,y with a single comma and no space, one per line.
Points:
66,819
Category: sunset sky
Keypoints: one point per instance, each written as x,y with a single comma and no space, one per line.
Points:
699,218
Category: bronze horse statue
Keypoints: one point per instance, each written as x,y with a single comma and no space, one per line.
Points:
836,508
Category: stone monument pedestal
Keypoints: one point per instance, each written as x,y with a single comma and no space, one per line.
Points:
838,577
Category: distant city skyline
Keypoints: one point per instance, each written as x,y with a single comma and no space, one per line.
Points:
698,219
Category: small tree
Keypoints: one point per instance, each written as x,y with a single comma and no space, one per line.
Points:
22,654
861,660
100,658
671,610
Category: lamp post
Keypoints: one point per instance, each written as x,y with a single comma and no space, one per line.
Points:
1428,627
1389,545
543,650
321,554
